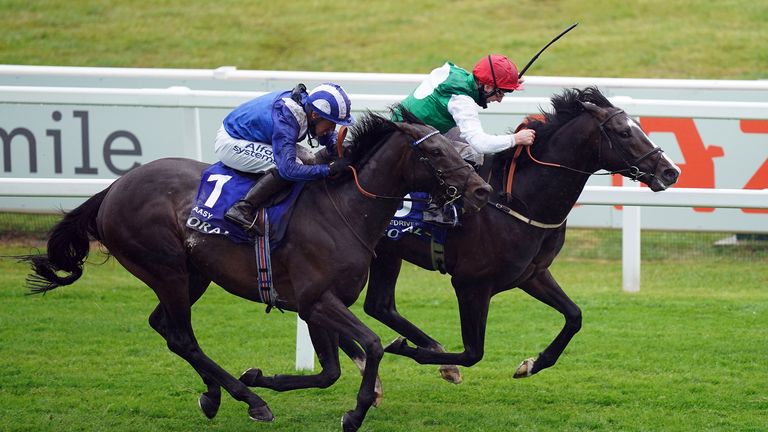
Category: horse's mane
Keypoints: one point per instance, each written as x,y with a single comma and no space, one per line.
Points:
566,107
372,129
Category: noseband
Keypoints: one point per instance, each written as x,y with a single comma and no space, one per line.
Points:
452,193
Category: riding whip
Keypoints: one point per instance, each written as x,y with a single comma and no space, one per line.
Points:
545,47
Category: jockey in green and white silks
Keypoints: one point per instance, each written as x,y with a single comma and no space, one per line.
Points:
450,96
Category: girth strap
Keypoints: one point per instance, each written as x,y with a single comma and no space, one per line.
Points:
267,292
437,252
506,210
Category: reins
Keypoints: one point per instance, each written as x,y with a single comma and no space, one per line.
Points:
346,221
632,168
451,191
340,136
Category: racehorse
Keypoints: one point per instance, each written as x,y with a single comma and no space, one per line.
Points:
319,270
512,243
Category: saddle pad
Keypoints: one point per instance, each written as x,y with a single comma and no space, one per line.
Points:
220,188
409,220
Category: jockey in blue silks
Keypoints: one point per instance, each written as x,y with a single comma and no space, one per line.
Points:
262,136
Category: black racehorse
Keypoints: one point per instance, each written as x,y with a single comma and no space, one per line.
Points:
319,270
513,242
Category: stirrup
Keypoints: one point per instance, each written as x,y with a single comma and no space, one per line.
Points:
439,217
236,215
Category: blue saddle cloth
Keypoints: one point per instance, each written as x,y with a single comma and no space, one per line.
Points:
409,219
220,188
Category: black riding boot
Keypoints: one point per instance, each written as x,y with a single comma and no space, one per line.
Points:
244,211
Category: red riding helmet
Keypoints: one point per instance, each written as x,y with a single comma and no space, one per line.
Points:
498,71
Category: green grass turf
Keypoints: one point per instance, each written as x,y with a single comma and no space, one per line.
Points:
650,38
686,353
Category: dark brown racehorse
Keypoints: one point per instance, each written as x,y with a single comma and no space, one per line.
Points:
514,244
319,270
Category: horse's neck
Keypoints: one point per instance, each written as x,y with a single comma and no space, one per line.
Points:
369,217
545,192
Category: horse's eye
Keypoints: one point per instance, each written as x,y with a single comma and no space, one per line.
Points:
435,152
625,133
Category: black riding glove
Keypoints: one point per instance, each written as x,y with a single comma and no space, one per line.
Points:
338,166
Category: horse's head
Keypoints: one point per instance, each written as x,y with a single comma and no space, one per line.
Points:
424,159
447,175
586,133
624,148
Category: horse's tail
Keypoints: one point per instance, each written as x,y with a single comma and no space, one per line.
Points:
68,247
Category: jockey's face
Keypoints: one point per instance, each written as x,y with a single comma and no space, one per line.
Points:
497,96
321,126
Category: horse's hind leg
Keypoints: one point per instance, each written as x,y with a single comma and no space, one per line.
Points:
171,282
209,401
327,350
544,288
181,340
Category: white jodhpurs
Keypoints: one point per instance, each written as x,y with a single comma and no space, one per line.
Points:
252,157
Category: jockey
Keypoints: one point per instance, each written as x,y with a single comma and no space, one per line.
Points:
262,134
448,100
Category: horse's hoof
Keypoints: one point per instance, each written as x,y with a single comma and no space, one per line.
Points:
348,424
525,369
451,373
250,377
395,347
261,413
209,404
379,392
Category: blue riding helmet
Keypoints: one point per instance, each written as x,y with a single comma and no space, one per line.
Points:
331,102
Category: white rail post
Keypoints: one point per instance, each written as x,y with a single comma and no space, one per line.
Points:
630,246
305,351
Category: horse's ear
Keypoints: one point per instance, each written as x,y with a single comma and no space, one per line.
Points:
598,112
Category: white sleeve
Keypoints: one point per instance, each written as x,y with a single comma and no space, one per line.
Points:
464,111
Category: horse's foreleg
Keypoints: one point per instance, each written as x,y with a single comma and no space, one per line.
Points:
474,300
380,304
544,288
329,312
327,350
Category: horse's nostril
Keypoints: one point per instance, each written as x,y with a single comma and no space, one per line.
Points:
671,175
483,193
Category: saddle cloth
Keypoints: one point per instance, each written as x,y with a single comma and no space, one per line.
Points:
220,188
409,219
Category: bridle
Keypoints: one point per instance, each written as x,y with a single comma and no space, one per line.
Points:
451,193
632,168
